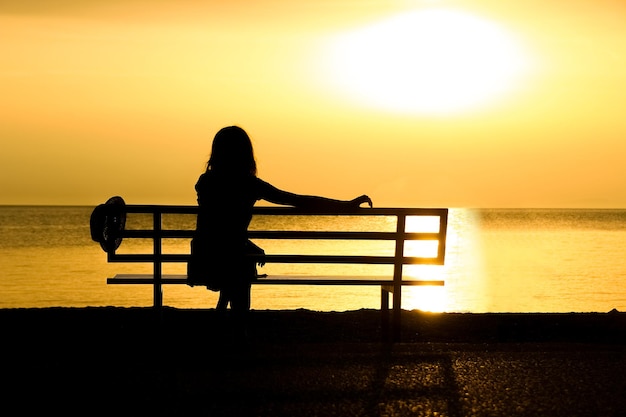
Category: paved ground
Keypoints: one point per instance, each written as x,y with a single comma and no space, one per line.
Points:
409,380
331,380
78,368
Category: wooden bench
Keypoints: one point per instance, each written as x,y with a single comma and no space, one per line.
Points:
396,219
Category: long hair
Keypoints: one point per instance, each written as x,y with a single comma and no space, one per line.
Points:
232,152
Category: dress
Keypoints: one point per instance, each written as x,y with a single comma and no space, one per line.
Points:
221,236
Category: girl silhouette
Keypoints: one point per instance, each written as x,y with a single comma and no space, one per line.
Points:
227,191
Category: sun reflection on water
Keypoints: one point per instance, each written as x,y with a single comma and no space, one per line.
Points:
462,259
431,299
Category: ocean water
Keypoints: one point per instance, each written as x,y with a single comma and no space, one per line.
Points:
513,260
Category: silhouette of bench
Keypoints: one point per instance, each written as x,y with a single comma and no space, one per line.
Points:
153,227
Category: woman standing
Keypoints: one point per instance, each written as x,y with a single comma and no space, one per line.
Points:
227,191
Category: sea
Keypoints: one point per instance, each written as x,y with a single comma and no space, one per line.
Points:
497,260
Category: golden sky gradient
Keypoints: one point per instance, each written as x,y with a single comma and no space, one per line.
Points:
407,101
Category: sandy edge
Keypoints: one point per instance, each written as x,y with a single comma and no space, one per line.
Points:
305,326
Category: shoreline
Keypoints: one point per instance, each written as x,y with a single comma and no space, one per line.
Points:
307,326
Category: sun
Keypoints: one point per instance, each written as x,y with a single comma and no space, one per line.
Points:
434,61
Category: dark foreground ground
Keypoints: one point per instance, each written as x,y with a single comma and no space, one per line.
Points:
118,361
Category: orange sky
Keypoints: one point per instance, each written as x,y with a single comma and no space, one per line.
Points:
123,98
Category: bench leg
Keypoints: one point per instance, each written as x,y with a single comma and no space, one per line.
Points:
384,310
396,317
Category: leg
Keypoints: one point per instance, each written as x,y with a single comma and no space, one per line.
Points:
222,303
240,305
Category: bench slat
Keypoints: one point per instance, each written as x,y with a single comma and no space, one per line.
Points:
288,259
287,234
279,279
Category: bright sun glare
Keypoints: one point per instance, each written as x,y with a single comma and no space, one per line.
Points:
434,61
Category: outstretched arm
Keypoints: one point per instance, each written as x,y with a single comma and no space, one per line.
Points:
311,202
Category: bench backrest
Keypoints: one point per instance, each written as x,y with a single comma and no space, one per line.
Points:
155,229
404,230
